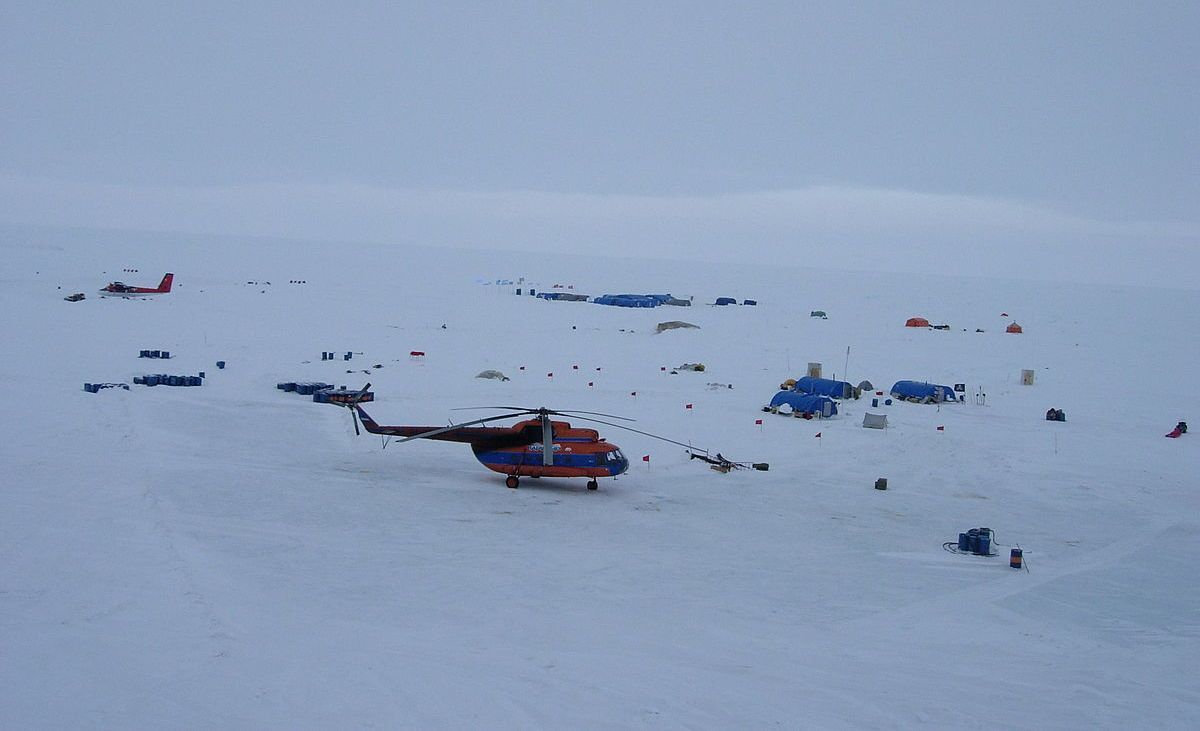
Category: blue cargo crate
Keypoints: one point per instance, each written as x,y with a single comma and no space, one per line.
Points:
151,380
166,354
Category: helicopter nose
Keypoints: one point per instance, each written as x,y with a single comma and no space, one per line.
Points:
621,466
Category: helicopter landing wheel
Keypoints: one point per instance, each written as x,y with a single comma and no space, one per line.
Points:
592,485
511,481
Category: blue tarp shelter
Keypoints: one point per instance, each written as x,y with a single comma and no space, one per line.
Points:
804,403
926,393
824,387
627,300
725,301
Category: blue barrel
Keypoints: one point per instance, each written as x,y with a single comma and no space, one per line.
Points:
1014,558
963,544
155,353
348,356
985,543
875,402
220,365
151,380
887,402
166,354
973,540
201,374
88,387
324,355
143,353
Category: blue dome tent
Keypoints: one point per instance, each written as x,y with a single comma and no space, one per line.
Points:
825,387
921,392
804,403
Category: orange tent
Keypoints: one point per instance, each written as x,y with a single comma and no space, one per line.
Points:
1013,328
917,322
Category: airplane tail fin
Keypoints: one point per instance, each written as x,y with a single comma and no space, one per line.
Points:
165,285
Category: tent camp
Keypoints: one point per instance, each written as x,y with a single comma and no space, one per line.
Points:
922,393
1013,328
865,386
799,403
874,421
819,313
916,322
725,301
825,387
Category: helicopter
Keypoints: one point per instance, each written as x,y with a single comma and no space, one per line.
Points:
535,447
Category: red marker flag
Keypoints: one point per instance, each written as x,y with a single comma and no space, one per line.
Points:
758,422
646,458
687,406
549,375
818,436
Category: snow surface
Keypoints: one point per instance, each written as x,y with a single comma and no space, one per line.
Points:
232,556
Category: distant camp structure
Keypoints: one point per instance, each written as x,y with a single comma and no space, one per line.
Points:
919,392
917,322
493,375
640,300
820,314
802,405
1013,327
826,387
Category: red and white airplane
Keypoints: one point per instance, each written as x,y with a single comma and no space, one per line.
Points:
120,289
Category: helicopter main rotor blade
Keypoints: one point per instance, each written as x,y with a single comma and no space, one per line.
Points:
595,413
353,411
644,433
452,427
557,412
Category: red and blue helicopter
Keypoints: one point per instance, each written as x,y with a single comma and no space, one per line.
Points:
536,447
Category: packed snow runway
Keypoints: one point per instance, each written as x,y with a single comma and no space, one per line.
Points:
233,556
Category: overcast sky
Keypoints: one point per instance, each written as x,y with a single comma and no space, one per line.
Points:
902,135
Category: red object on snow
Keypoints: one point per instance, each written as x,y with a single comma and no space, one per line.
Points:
758,422
916,322
1174,433
687,406
1013,328
941,428
646,458
417,353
